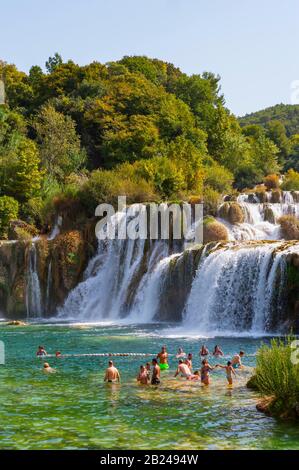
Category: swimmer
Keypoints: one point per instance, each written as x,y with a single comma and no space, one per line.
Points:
163,358
183,369
217,351
112,374
204,351
156,373
58,354
237,360
188,361
143,377
205,372
47,369
180,353
229,371
41,351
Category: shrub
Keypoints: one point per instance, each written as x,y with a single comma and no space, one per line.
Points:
289,226
271,182
277,376
9,209
219,178
211,200
291,181
214,231
232,212
104,186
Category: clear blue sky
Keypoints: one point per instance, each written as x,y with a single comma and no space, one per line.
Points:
253,45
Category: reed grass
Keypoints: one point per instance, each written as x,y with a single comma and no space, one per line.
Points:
277,375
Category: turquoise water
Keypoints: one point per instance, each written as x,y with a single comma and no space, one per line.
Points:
74,409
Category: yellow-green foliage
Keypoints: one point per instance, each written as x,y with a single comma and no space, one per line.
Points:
276,375
291,181
9,209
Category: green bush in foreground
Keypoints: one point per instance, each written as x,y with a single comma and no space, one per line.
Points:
276,376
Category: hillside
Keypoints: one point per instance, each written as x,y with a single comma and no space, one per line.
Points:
288,114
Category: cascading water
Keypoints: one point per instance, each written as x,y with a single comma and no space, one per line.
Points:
261,219
114,276
234,287
33,289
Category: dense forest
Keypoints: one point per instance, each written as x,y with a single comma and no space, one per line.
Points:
85,134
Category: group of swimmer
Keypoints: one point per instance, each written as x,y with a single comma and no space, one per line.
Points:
150,373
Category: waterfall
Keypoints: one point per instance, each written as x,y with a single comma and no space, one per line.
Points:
49,286
114,277
238,289
256,225
33,289
234,287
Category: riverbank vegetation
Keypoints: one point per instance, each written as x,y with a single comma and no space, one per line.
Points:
277,378
80,135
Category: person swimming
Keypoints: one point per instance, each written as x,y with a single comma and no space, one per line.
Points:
217,351
47,369
111,374
229,371
204,351
237,360
156,373
183,369
41,351
205,372
163,358
143,376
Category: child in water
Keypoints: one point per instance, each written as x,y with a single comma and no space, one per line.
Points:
143,376
229,371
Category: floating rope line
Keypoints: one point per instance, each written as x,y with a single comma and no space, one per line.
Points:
102,355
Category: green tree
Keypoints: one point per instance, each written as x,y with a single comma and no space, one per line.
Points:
53,62
59,144
9,209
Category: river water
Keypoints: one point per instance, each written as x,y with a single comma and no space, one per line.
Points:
74,409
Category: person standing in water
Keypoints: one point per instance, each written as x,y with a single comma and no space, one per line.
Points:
237,360
204,351
41,351
156,373
143,376
163,358
148,369
188,361
205,372
112,374
218,351
180,353
229,371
